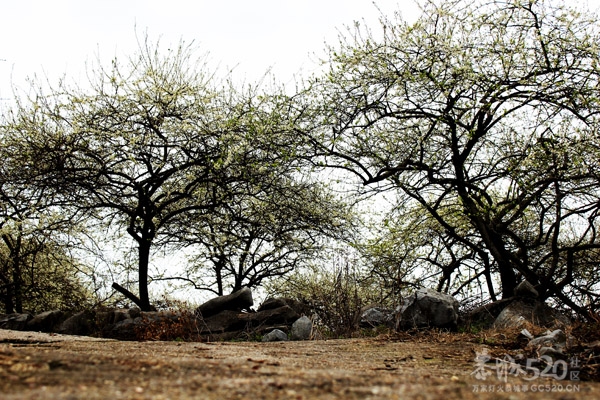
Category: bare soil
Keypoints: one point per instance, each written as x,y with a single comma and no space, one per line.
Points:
40,366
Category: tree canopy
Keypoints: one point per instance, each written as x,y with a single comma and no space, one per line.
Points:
155,147
484,116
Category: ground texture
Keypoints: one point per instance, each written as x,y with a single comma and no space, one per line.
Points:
39,366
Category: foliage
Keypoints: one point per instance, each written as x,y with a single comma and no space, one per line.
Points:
42,278
484,115
161,149
38,271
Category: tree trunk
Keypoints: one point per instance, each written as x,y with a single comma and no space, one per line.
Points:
9,305
144,260
17,275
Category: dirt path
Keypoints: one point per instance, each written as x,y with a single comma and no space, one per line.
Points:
40,366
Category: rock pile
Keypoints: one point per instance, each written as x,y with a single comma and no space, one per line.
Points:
221,318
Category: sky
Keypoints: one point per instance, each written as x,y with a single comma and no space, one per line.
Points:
51,38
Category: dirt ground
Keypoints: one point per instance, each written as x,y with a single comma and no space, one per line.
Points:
40,366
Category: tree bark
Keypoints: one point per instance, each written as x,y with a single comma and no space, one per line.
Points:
144,260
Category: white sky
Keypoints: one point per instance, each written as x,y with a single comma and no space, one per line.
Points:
56,37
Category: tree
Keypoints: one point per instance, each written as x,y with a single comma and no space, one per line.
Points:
411,249
37,272
487,111
149,142
267,233
159,147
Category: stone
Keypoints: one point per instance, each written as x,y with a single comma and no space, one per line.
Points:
125,329
376,316
526,289
236,301
483,317
299,307
46,321
526,312
272,303
229,321
302,328
15,321
276,335
428,308
82,323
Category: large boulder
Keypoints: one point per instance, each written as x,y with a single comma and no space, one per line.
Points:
483,317
236,301
524,312
428,308
15,321
82,323
276,302
47,321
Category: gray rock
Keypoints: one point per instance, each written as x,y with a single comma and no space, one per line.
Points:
237,301
15,321
229,321
275,335
302,328
428,308
524,312
125,329
46,321
83,323
272,303
376,316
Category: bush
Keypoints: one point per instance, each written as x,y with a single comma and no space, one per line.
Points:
335,296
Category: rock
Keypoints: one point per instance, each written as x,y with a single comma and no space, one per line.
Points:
46,321
483,317
276,335
428,308
237,301
376,316
82,323
526,289
272,303
230,321
295,305
302,328
134,312
524,312
15,321
125,329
